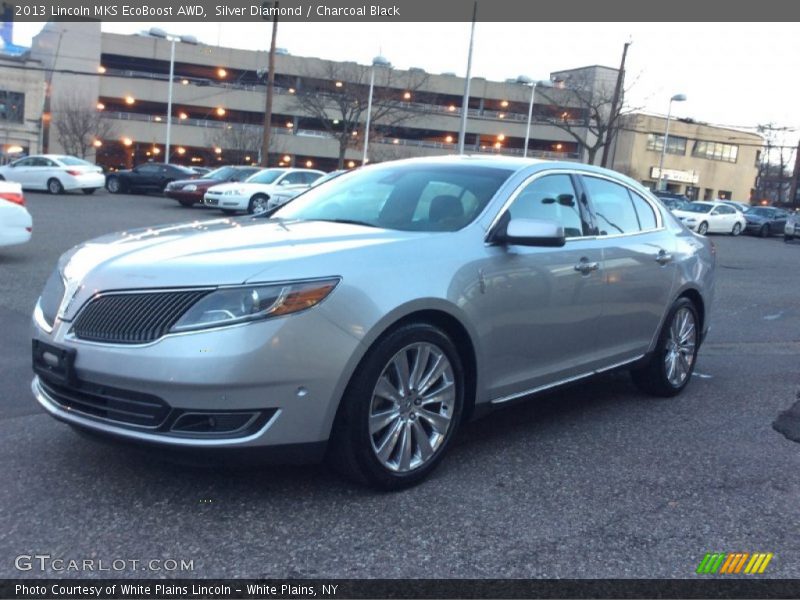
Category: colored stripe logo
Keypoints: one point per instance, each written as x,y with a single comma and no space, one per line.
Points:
732,563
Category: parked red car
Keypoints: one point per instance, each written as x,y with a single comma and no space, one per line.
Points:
191,191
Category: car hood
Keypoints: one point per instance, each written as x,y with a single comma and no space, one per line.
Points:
755,218
199,181
216,252
683,214
234,185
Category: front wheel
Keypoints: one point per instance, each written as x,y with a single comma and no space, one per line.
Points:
670,366
737,229
702,229
258,204
114,185
401,409
54,186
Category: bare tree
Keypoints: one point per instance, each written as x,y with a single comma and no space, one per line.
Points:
78,123
585,109
337,98
237,141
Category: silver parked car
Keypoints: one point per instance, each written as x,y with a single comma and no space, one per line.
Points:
371,316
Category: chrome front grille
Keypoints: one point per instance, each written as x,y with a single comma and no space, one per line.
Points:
133,318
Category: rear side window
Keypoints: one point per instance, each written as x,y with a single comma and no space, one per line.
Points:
647,217
613,207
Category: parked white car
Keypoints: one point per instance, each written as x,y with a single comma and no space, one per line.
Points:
15,220
792,228
711,217
254,193
55,173
281,197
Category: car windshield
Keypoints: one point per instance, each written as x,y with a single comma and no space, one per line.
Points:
404,196
697,207
265,176
223,173
71,161
761,212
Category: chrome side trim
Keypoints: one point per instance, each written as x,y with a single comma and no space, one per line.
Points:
548,386
67,416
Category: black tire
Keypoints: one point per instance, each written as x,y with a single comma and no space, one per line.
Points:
256,202
54,186
186,203
787,238
2,178
652,377
352,449
89,191
702,229
764,231
114,185
737,229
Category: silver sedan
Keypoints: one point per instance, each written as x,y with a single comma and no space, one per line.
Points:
370,317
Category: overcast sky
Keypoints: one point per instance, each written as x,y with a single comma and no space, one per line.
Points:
737,74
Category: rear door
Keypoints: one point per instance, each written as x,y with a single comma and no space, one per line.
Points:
639,267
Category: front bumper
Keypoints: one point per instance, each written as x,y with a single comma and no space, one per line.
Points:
182,196
290,371
226,201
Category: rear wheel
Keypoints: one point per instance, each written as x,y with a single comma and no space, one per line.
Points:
670,367
89,191
401,409
787,238
737,229
258,204
702,229
54,186
186,203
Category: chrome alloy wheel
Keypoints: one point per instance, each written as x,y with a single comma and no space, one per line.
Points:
680,346
258,205
412,407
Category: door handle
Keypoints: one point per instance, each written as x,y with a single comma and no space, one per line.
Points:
584,267
663,257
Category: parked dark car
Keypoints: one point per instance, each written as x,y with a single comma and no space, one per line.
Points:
147,177
671,200
765,220
191,191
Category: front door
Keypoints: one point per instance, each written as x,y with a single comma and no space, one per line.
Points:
539,305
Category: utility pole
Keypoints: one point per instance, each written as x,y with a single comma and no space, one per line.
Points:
611,133
795,177
270,88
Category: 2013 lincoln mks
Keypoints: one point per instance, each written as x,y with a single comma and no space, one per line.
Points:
371,316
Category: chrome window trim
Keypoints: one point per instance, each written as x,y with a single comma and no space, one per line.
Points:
660,226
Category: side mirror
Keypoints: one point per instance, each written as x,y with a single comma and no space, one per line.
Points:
530,232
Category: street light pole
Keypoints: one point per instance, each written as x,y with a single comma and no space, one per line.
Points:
378,61
661,179
533,83
462,132
169,97
172,38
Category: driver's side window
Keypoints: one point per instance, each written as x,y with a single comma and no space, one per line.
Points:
553,198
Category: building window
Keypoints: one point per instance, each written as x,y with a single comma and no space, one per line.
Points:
725,195
12,106
692,192
708,194
675,144
715,151
758,158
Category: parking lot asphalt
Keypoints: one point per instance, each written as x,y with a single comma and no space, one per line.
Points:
596,480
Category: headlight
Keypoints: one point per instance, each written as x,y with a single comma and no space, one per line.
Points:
190,188
241,304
